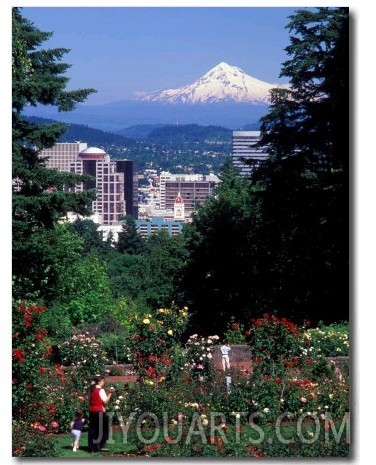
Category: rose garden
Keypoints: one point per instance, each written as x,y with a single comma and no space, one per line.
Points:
294,401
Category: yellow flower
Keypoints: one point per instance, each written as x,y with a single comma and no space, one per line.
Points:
170,332
146,321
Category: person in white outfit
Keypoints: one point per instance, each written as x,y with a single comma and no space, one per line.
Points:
225,350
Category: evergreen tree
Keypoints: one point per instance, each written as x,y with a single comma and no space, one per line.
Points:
93,239
304,186
216,282
40,194
129,241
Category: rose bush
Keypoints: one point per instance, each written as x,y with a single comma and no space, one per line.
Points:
153,343
289,375
30,353
329,341
44,394
199,353
83,356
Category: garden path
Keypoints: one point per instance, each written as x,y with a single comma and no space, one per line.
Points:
245,367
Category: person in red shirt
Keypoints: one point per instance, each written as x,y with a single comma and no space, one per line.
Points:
98,419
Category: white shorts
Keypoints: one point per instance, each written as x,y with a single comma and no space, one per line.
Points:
76,433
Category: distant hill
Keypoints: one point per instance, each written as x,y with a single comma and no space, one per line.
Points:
190,133
159,132
83,133
118,115
139,131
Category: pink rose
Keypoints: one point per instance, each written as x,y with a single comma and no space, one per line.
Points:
303,399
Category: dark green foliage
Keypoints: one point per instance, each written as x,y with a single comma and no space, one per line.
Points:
304,187
216,280
93,239
152,276
129,241
40,196
126,274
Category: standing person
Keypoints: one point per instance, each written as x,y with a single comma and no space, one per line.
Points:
76,426
98,419
225,350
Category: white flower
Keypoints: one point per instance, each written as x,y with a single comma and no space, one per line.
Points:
266,410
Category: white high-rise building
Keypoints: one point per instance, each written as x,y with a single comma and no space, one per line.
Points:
244,148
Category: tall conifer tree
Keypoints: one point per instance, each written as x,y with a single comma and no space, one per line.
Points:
40,194
304,186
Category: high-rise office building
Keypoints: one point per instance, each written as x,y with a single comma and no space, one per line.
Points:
130,170
244,148
194,189
110,201
62,154
194,193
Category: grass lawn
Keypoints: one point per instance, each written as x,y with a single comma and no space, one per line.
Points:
129,444
64,446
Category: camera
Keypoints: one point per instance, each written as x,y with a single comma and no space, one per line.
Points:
112,387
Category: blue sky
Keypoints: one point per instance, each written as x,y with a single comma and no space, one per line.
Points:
123,50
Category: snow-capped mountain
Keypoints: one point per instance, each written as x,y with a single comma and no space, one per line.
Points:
223,83
225,96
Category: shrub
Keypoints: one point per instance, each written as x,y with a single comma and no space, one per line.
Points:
199,353
31,352
154,337
275,344
287,378
329,341
32,441
117,348
85,356
235,333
